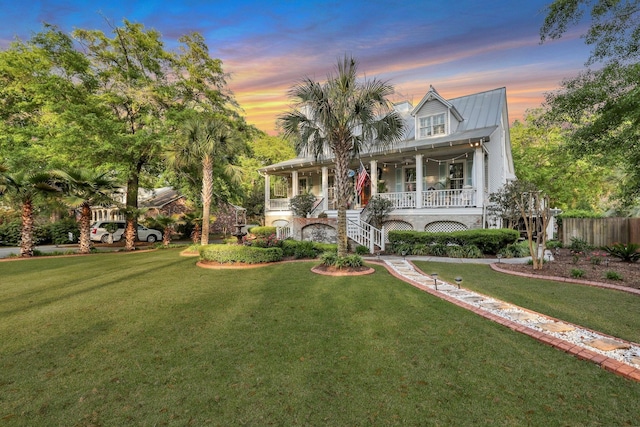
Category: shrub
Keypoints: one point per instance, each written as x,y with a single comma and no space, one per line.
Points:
60,231
263,242
471,251
332,259
487,241
627,253
554,244
362,250
262,231
515,250
579,245
612,275
420,249
439,249
302,204
379,208
239,253
577,273
455,251
306,249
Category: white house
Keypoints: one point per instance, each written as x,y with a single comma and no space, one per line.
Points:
454,154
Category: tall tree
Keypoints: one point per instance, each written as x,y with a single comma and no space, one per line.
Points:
343,117
83,188
602,104
211,142
540,157
147,89
27,189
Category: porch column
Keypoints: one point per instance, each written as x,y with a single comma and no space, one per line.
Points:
478,175
419,180
374,177
267,192
325,188
294,183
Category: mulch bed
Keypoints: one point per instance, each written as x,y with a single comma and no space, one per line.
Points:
594,266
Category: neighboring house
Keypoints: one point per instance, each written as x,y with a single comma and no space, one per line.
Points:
159,201
454,154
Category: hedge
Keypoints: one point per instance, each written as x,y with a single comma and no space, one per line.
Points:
239,253
262,231
488,241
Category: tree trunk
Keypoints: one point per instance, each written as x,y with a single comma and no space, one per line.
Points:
343,190
26,240
85,228
166,237
133,183
207,194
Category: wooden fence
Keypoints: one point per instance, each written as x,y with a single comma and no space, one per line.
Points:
601,231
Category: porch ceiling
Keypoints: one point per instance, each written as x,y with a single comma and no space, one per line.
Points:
441,148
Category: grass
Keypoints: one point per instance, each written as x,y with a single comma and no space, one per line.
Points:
150,339
612,312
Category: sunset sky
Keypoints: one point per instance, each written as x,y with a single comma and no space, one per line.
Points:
459,47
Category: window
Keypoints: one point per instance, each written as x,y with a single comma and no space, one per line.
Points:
456,176
432,126
410,179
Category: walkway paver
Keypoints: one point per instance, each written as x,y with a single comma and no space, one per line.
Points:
611,353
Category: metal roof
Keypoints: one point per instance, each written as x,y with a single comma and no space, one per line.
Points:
481,113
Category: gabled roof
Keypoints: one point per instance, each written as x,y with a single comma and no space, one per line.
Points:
482,114
433,94
160,197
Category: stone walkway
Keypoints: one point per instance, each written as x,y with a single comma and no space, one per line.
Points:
613,354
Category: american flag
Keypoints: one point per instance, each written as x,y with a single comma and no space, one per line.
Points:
361,179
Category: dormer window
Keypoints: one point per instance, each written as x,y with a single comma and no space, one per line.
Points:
432,126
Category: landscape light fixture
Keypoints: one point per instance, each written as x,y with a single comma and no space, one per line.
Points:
458,281
435,280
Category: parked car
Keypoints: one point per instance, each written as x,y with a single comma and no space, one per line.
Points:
100,232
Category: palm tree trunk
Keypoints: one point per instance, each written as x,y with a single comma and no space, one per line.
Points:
133,184
26,241
343,190
207,194
85,228
166,237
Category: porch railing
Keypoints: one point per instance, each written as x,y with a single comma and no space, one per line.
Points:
405,200
449,198
433,199
283,233
366,235
279,204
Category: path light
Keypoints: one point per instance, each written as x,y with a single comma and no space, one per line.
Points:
404,254
499,257
458,281
435,280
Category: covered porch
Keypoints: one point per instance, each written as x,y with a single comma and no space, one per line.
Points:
434,179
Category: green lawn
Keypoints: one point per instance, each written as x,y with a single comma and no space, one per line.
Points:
150,339
613,312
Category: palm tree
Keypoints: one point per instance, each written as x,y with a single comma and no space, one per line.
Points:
82,189
210,141
166,223
342,117
27,189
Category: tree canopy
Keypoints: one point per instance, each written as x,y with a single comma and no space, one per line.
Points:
341,117
600,107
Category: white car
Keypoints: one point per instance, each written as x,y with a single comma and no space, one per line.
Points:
99,232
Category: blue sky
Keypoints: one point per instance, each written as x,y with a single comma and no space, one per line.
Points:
459,47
